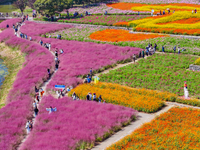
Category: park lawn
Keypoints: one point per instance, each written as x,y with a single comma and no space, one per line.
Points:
179,128
164,72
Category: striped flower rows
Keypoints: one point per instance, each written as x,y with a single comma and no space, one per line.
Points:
176,129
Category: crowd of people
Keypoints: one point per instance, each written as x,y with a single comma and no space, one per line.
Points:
89,97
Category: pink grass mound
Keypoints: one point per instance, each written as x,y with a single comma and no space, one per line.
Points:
9,22
74,122
33,29
79,57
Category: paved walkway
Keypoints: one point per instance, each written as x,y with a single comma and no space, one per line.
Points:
141,119
44,85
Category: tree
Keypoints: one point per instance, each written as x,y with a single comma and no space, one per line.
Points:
51,6
31,3
21,4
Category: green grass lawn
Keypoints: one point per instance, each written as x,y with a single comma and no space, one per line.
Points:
163,72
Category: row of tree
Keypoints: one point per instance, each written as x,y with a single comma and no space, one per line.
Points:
50,7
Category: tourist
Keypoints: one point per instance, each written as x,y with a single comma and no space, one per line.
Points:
168,11
134,58
28,126
192,11
56,53
179,50
61,51
34,104
174,11
13,26
160,12
138,13
36,89
174,49
104,101
155,46
86,13
49,35
100,98
163,49
185,84
106,12
50,110
91,72
195,11
89,79
94,97
163,12
140,54
30,38
49,73
85,80
88,97
49,46
27,17
56,59
74,96
143,53
7,26
41,42
36,111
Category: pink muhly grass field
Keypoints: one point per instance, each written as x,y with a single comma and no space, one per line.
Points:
33,29
34,71
10,22
79,57
14,115
75,122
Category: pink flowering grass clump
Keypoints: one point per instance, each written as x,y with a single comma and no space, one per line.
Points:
32,29
34,71
13,118
79,57
75,124
9,22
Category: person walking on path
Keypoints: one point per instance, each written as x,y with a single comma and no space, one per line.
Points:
143,53
74,96
179,50
49,46
50,110
91,72
49,73
155,46
56,53
28,126
88,97
100,98
174,49
94,97
36,111
163,49
134,58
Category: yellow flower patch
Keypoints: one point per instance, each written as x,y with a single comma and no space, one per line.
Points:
138,99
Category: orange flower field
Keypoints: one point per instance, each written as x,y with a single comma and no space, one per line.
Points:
117,35
156,7
179,128
139,99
